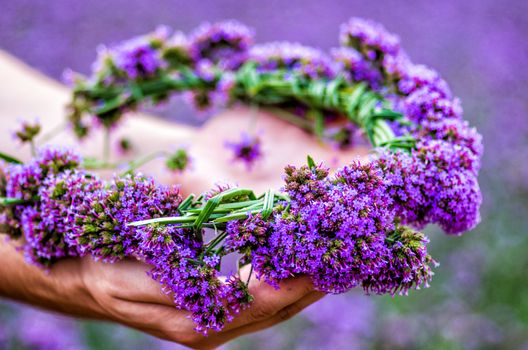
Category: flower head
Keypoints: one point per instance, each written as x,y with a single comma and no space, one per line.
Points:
224,43
178,160
27,131
294,57
247,150
101,220
369,38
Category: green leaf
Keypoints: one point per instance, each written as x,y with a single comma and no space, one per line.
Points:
186,203
10,159
207,211
163,221
6,201
311,162
239,216
269,200
318,121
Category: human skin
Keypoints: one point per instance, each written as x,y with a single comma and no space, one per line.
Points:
122,292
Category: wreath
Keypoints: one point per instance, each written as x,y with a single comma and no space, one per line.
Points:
355,227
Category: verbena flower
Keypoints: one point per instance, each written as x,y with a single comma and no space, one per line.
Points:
369,38
408,264
356,68
101,220
135,58
224,43
9,223
27,131
23,181
47,224
436,184
179,160
335,231
247,150
294,57
194,284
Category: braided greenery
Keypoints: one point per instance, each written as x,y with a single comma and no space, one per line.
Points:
362,106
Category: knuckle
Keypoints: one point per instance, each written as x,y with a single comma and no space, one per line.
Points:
260,312
289,311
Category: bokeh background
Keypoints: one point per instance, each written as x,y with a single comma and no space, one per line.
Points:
479,296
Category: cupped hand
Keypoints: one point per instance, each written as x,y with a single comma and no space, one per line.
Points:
122,292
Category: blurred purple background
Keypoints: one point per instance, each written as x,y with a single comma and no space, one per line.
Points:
479,298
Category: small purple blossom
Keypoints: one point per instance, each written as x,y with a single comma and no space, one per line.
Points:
356,68
369,38
247,150
136,58
436,184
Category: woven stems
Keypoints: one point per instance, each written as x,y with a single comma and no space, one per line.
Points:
216,212
278,88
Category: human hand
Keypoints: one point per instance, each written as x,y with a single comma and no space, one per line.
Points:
123,293
282,144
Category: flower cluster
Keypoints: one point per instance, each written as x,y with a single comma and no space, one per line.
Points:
292,57
24,183
101,219
338,230
437,181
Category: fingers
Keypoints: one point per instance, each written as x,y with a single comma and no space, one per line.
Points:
268,301
128,280
281,316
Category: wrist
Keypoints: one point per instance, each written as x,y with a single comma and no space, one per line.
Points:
60,289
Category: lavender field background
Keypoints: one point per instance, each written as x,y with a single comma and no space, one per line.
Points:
479,296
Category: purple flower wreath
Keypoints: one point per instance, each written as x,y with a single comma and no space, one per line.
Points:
357,227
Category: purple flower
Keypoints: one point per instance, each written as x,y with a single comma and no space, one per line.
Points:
426,104
247,150
47,224
23,181
339,231
136,58
224,43
408,264
436,184
294,57
195,285
356,68
101,219
369,38
419,76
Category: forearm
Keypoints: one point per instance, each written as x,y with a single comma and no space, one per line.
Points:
60,289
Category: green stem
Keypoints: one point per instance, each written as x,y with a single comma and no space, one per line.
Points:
52,133
33,148
249,276
135,164
106,145
7,201
214,242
